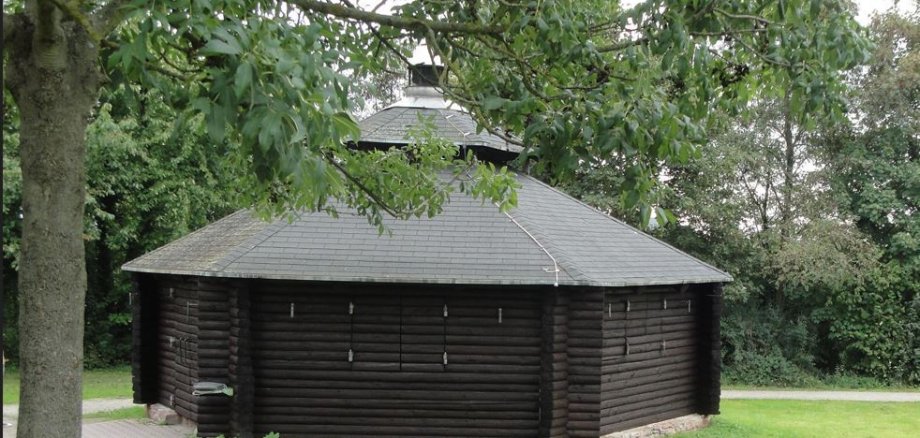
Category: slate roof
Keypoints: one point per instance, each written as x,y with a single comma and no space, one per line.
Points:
469,243
391,125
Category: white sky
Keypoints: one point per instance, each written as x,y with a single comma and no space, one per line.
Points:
867,7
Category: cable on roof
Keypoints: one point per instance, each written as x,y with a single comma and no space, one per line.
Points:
546,251
454,125
555,264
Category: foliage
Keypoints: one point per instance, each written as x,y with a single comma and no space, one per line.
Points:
815,219
147,184
876,174
749,206
277,87
794,419
12,187
874,330
761,347
647,78
852,381
578,81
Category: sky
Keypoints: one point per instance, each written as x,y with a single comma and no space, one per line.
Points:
867,7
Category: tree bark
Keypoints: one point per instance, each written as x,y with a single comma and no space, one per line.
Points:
786,210
52,75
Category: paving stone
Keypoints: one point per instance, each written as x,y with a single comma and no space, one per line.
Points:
162,415
135,429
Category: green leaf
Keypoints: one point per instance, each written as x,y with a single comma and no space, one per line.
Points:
346,126
645,214
492,103
242,80
226,46
217,122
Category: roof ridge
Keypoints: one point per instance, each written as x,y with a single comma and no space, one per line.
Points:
556,265
634,229
380,113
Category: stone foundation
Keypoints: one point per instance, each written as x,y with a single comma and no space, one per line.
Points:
664,428
162,415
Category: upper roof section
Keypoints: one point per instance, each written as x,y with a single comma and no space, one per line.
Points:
391,126
548,239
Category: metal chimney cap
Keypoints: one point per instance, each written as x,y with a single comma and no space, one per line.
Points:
424,75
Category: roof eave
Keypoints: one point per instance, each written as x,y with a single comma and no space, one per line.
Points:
428,280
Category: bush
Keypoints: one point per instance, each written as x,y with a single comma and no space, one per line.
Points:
846,380
876,329
761,347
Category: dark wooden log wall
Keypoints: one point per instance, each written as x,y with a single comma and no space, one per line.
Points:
555,365
583,354
177,342
396,383
213,353
145,349
554,395
652,350
240,362
711,354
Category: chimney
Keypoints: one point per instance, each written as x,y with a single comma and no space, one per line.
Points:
424,75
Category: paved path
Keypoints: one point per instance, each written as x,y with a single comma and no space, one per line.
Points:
11,412
134,429
145,429
824,395
106,429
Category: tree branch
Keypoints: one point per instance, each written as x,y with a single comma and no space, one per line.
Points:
754,18
107,18
72,10
622,45
763,56
154,67
367,191
394,20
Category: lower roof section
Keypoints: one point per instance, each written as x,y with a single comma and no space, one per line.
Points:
550,238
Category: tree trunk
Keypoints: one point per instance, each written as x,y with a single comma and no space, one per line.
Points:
786,210
53,78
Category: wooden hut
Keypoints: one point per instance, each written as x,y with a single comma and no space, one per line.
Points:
551,320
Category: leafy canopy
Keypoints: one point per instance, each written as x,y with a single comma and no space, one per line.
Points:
576,81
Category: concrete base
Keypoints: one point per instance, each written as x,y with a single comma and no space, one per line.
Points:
162,415
664,428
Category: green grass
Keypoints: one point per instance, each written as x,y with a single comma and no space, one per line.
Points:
823,387
829,382
118,414
806,419
105,383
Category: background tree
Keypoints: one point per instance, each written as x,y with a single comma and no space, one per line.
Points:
876,172
146,185
815,216
576,80
774,225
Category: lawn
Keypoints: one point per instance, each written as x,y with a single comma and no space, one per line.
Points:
106,383
801,419
117,414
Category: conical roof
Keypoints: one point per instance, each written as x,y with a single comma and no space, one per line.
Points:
422,101
550,238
